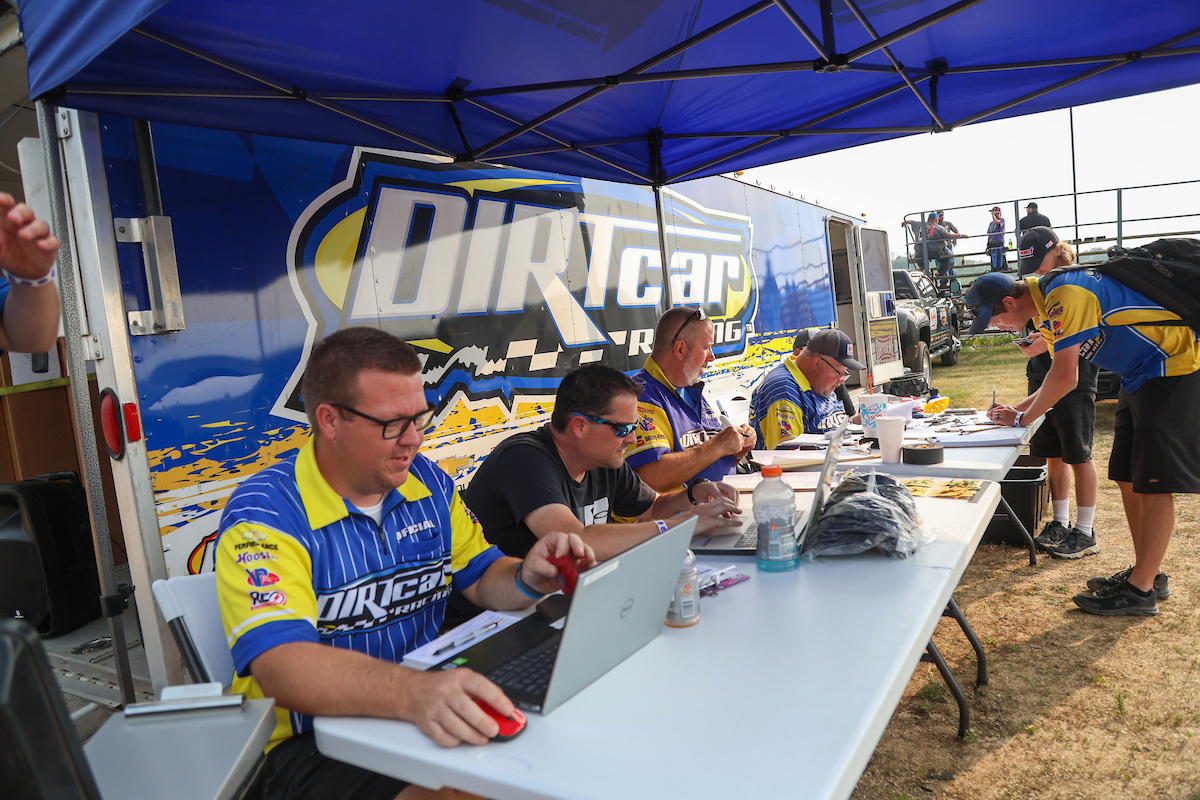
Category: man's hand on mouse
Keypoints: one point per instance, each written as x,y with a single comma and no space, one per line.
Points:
443,706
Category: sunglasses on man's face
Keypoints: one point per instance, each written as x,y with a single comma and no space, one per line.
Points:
621,429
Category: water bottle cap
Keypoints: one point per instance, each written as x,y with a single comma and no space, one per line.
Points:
772,471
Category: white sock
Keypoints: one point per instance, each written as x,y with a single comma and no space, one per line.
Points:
1084,519
1062,511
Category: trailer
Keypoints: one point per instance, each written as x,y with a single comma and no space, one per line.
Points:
209,263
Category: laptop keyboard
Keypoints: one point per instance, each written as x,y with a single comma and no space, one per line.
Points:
530,671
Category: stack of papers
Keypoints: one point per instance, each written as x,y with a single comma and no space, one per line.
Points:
799,481
455,641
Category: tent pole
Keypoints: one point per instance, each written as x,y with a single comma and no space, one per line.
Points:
1074,183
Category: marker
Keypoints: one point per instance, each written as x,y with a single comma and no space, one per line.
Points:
470,637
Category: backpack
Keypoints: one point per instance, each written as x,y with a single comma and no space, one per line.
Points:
1166,272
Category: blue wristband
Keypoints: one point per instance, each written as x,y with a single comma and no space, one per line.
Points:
524,587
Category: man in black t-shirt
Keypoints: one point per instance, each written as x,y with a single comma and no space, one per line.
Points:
1032,219
571,476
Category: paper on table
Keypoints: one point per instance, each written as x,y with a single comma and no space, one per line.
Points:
799,481
996,436
428,654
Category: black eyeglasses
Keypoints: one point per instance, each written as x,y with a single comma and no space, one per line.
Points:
394,428
621,429
697,314
839,369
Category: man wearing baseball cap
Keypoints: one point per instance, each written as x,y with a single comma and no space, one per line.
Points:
1065,436
1032,218
799,395
995,242
1158,411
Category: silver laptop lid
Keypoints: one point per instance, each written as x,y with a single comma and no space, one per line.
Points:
618,607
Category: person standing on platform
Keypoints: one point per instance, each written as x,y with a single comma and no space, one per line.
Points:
680,440
1154,453
1065,436
995,242
1032,219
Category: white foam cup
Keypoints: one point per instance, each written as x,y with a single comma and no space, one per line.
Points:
871,407
891,436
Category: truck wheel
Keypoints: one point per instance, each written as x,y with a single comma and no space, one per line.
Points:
950,357
922,363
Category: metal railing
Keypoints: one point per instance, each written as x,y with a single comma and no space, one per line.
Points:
1091,221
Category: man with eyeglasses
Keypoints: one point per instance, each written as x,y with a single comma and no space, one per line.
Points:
800,395
680,440
335,562
571,475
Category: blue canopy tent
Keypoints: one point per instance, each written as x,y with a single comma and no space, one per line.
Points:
641,91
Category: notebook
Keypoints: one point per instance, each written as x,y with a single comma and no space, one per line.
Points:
744,542
619,605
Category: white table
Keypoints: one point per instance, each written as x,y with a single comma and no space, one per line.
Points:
783,689
987,463
197,755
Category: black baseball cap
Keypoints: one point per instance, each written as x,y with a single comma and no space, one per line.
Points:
836,345
1032,249
1030,205
984,294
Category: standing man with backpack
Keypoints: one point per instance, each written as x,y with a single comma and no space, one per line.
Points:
1092,315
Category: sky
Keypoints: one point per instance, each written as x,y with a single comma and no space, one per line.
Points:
1134,141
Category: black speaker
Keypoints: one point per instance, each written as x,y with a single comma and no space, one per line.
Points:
48,571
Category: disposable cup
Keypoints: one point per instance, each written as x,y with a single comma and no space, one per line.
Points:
891,436
871,407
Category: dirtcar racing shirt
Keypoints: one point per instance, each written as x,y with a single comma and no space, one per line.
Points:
296,562
1101,315
670,424
784,405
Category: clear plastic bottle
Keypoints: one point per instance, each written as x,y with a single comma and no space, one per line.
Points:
775,515
684,610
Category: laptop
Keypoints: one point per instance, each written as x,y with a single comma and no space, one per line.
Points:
744,542
619,605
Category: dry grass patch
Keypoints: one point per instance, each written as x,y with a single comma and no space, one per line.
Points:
1077,706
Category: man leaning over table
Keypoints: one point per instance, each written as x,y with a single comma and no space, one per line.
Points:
679,439
800,395
335,563
1089,315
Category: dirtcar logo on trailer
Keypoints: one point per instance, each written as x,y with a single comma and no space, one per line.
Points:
504,280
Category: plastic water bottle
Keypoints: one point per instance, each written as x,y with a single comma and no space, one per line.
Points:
775,515
684,610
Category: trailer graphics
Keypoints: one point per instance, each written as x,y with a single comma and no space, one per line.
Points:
502,279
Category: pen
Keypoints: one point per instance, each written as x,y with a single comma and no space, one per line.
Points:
993,397
470,637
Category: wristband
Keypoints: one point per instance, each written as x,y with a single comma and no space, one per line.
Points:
692,486
662,525
1017,419
523,586
35,282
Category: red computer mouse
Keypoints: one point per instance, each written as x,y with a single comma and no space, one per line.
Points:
509,727
567,573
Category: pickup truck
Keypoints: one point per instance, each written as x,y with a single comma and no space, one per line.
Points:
928,322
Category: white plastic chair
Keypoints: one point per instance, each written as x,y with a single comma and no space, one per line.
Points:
189,605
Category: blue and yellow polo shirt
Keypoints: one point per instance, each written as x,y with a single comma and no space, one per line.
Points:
296,562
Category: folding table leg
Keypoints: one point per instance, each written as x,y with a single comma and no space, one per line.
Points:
1021,526
964,711
981,674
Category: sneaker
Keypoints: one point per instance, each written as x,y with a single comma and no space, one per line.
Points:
1160,582
1052,534
1077,544
1119,600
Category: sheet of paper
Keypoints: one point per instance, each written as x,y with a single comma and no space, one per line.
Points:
458,639
984,438
799,481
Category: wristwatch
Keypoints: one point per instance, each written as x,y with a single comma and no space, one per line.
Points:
692,486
